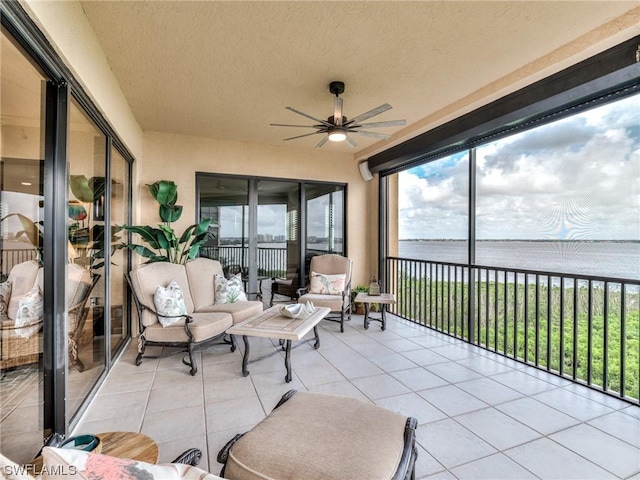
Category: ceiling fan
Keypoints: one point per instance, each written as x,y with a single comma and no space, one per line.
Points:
338,126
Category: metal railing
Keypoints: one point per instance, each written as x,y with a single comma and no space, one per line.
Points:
272,261
580,327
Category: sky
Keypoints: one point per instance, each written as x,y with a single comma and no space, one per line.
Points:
576,178
272,218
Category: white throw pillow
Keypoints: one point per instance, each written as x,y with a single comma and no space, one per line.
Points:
30,313
229,291
5,295
169,303
326,284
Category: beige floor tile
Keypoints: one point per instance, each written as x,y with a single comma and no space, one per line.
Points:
231,414
380,386
174,424
168,397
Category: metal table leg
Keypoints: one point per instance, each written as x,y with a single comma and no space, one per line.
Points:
382,319
287,361
245,357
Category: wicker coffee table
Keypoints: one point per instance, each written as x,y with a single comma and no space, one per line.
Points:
270,324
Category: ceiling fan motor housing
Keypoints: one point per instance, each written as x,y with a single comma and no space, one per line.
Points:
331,120
337,88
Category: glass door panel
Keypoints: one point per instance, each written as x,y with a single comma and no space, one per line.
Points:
118,265
21,272
278,234
85,282
226,202
325,219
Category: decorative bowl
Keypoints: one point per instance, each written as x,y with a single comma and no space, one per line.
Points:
297,310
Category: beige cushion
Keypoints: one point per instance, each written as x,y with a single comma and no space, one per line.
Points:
240,311
78,284
23,277
200,272
204,326
320,437
334,302
331,265
146,278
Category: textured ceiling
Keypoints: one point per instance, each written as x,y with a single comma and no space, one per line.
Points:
226,70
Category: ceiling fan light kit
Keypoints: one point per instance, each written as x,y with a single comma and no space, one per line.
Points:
338,126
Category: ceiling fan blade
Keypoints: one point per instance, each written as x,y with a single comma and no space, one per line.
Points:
289,125
371,113
390,123
323,122
322,142
350,142
300,136
381,136
337,112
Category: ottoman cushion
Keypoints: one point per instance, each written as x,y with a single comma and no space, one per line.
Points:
315,436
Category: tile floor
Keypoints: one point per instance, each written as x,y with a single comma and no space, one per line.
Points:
481,416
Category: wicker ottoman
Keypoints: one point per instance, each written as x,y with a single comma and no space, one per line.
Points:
313,436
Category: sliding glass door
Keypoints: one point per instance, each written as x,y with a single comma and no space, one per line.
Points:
269,228
22,254
278,232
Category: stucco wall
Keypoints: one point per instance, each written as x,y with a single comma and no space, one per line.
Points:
69,32
179,157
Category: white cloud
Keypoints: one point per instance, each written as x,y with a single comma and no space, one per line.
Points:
576,178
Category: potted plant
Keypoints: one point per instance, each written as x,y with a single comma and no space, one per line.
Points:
358,308
163,245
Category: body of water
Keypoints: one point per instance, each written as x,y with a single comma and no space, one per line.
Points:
604,259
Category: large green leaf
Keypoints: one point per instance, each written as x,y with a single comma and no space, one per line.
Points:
146,253
148,234
170,213
165,192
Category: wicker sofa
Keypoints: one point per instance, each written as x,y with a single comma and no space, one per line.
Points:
22,346
205,320
18,348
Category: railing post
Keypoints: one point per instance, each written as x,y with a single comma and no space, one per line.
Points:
471,299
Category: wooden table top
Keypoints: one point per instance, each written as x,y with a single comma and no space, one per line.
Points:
271,324
132,445
135,446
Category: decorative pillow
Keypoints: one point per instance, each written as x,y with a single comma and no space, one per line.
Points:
229,291
30,313
71,464
327,284
5,295
169,303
